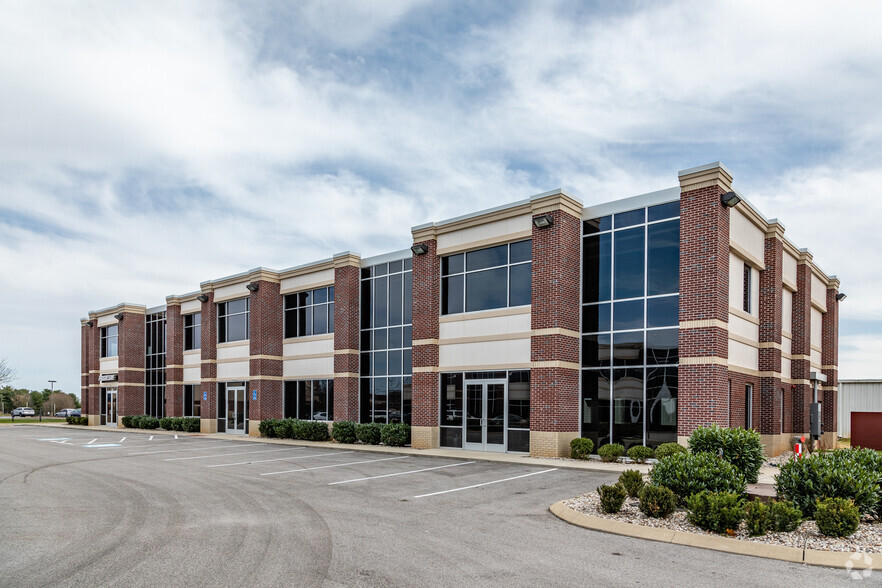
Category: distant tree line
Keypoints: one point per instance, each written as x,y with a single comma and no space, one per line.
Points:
45,401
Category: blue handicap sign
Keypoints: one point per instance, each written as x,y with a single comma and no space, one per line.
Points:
205,395
254,395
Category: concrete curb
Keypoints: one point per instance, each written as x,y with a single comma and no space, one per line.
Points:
832,559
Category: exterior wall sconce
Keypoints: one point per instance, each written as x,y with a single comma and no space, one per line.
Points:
542,221
420,249
730,199
202,298
252,287
88,324
119,316
840,297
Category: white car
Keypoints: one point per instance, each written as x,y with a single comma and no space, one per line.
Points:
23,411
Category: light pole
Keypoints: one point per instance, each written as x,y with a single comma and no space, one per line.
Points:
51,391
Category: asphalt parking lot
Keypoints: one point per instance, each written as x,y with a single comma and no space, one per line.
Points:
103,507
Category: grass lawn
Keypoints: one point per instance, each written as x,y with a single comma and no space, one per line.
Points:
8,420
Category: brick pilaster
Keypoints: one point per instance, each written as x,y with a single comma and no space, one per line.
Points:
801,348
770,309
265,337
426,312
174,359
347,287
704,299
132,349
209,364
830,360
94,366
85,334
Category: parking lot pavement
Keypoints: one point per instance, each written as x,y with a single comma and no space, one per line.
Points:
109,507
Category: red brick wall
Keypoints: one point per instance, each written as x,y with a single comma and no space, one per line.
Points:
85,333
770,314
131,355
704,295
265,337
801,330
426,310
830,357
94,365
347,286
554,392
174,360
209,358
738,400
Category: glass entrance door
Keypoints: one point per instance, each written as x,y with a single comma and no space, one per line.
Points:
111,408
485,403
235,410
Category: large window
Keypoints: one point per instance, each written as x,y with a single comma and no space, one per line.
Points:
110,341
309,400
630,319
386,293
154,376
310,312
496,277
232,320
745,304
192,401
192,331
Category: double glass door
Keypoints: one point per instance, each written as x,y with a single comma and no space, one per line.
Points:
111,408
236,410
485,402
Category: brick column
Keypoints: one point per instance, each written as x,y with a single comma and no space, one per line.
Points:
830,361
174,359
770,309
554,319
265,335
209,365
86,363
802,345
94,393
132,355
704,299
425,430
347,287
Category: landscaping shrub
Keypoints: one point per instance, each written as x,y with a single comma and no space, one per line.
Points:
716,512
343,432
687,474
267,428
581,448
191,424
632,482
149,422
284,428
77,420
611,452
784,516
657,502
136,421
743,448
666,449
126,421
395,434
757,518
165,423
640,453
611,498
837,517
854,474
313,431
368,433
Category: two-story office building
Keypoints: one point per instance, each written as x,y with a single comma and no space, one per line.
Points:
511,329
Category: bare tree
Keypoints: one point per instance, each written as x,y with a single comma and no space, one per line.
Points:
7,373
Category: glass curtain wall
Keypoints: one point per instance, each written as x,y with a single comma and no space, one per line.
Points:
386,325
630,318
154,377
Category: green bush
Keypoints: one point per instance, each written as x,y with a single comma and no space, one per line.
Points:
657,502
687,474
343,432
284,428
611,498
757,518
135,420
126,422
837,517
611,452
632,482
368,433
666,449
395,434
77,420
854,474
581,448
177,424
640,453
743,448
149,422
192,424
165,423
313,431
717,512
784,516
267,428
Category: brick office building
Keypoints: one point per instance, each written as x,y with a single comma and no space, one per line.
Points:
511,329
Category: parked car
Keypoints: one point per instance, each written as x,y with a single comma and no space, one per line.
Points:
76,412
23,411
65,412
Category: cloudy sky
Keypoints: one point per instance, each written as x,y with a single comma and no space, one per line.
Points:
148,146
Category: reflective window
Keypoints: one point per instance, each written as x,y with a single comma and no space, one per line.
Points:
495,277
628,263
192,331
110,341
309,313
597,267
154,364
309,400
663,269
662,312
232,320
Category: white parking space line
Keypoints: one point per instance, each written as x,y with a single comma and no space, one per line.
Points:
451,465
485,483
223,465
336,465
202,448
123,439
151,438
229,454
92,441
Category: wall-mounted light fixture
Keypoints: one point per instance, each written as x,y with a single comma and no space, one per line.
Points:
119,316
543,220
730,199
88,324
202,298
252,287
420,249
840,297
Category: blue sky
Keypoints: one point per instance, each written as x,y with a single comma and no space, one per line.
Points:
148,146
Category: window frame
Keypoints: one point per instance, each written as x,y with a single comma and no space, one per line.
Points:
225,316
192,330
746,285
508,265
106,339
310,307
